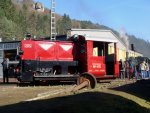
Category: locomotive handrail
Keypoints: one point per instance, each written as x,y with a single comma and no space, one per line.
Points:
13,62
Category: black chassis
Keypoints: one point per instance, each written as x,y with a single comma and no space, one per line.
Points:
32,70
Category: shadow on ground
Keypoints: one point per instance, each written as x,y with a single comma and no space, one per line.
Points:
89,102
140,88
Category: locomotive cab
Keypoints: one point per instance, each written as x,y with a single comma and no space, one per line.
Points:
95,58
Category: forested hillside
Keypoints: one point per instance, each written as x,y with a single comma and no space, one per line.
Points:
18,17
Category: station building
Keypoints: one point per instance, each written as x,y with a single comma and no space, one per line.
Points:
8,50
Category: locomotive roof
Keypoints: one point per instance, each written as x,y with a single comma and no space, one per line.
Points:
95,34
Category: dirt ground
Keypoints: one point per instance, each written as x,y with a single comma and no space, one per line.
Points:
12,92
134,92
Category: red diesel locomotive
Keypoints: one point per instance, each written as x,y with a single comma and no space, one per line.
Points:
45,60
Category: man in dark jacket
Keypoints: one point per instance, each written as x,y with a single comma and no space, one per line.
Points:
5,70
122,69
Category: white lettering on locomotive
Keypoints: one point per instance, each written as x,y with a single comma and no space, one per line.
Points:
96,65
27,45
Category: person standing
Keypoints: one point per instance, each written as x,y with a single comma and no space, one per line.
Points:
122,69
137,72
147,70
5,70
143,69
131,70
127,68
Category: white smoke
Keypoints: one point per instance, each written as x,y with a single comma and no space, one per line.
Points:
125,38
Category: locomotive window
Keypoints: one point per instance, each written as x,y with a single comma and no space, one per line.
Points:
98,49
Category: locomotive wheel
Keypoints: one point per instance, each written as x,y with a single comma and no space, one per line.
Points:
85,80
88,77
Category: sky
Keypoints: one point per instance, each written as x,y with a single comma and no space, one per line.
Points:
130,16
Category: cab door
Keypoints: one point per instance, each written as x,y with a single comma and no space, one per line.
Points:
95,58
